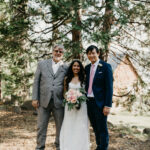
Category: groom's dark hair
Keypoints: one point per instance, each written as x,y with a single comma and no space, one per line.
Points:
91,48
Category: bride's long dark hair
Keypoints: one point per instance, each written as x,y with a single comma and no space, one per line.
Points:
70,74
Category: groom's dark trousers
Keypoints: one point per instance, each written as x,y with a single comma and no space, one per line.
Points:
99,124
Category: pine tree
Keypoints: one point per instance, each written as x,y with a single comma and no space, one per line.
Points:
112,24
14,49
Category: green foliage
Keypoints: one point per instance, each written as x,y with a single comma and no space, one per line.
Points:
13,53
74,23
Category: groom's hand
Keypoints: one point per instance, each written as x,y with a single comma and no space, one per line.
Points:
35,103
106,111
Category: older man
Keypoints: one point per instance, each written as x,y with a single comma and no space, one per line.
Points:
47,94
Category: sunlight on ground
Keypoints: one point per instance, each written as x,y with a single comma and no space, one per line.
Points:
18,132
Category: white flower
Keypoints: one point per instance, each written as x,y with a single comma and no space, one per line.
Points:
100,65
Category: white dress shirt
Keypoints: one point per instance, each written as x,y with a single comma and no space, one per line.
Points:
95,67
55,66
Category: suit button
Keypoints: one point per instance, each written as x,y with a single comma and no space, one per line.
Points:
53,84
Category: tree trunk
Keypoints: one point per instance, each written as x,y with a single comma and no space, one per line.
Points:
0,83
55,31
76,34
108,21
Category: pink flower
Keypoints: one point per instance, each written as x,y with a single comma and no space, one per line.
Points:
72,92
71,96
73,101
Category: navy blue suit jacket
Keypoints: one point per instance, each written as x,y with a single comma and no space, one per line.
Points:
102,84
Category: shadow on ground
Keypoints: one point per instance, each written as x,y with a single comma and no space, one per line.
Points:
19,130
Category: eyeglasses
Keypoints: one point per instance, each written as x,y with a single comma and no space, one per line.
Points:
57,51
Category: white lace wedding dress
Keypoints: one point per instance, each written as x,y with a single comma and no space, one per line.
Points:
74,133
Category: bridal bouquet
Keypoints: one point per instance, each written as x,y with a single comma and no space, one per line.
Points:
74,98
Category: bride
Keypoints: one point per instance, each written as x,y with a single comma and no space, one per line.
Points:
74,134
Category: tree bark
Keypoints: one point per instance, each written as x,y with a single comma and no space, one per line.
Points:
0,83
108,21
76,34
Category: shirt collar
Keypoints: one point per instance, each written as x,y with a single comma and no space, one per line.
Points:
54,63
96,63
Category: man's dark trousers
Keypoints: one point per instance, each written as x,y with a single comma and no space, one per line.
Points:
99,124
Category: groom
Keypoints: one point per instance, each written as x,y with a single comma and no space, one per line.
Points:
48,94
99,87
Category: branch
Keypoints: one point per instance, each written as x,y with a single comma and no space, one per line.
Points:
122,95
125,47
139,23
45,54
47,41
131,56
55,26
141,1
135,37
71,56
118,57
49,22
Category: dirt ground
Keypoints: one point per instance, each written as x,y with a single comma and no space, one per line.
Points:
18,132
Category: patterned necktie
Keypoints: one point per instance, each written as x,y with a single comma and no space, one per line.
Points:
91,79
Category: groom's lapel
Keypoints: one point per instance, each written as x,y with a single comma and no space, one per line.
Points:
49,66
98,69
88,73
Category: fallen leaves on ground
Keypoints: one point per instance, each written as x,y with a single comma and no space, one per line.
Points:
18,132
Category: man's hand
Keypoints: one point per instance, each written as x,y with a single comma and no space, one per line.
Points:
35,103
106,111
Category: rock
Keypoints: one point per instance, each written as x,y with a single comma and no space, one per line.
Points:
27,105
146,131
134,127
110,125
121,135
113,113
136,131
